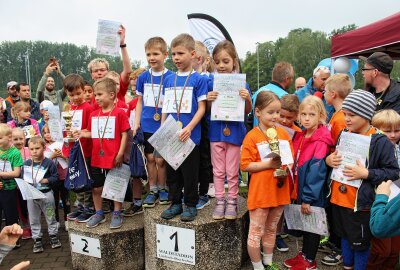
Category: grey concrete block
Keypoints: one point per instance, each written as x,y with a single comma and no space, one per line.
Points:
219,244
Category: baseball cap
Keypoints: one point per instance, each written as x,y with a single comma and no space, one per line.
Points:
379,60
11,84
45,104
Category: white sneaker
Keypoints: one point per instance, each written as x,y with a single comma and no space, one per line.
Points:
242,184
66,225
211,191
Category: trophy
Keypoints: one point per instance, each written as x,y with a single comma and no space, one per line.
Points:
67,115
273,142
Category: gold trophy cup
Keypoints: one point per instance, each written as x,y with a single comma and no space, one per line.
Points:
67,115
273,142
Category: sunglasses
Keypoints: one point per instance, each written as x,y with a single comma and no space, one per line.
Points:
365,69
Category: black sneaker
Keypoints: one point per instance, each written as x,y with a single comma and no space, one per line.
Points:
38,245
326,247
280,244
332,259
18,244
54,241
132,210
84,216
73,215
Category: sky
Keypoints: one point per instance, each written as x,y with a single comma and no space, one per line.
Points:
248,22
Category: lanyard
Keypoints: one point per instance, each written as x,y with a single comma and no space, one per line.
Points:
104,130
34,177
156,100
298,155
178,109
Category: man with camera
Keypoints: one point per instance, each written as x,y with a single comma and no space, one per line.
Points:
46,88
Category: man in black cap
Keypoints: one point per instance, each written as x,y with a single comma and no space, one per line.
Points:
376,73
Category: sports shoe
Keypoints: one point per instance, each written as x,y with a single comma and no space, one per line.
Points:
172,211
284,235
116,221
305,265
95,220
189,213
17,244
294,261
242,184
26,233
272,267
280,244
54,241
73,215
219,209
324,245
84,216
163,195
231,209
211,190
151,200
332,259
203,202
132,210
38,245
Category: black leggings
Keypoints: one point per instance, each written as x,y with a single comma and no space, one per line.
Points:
310,245
59,189
8,205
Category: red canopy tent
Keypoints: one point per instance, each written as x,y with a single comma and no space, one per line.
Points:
383,36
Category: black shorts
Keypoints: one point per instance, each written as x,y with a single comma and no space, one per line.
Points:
352,226
148,148
99,176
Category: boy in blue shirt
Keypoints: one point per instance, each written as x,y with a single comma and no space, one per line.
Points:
190,89
149,88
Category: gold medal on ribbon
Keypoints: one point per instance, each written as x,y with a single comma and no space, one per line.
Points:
226,131
157,117
180,124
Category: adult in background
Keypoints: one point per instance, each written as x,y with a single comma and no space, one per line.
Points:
24,92
282,78
316,86
376,73
299,83
46,87
9,101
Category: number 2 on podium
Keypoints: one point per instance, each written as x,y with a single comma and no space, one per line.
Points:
175,234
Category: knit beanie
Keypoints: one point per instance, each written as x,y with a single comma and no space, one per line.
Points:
361,103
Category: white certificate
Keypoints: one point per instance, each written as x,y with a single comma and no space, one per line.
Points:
116,183
35,175
171,104
166,141
28,191
132,118
54,123
76,120
284,148
5,166
29,131
314,223
150,96
108,40
99,124
228,106
352,147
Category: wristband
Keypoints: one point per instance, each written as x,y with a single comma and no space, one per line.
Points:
122,45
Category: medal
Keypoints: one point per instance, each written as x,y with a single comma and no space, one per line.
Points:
226,132
101,153
180,124
101,136
157,117
343,188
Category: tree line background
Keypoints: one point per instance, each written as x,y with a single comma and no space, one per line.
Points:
302,47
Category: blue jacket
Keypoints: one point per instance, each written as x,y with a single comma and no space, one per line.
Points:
385,216
309,90
311,166
273,87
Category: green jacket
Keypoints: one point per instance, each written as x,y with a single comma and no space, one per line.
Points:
57,97
385,216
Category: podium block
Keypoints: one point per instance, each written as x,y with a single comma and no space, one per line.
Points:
101,248
202,244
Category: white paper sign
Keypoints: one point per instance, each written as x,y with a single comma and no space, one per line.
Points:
34,175
284,149
176,244
166,141
98,125
150,96
76,122
5,166
29,131
290,131
85,245
228,106
132,119
171,104
314,223
28,191
58,145
352,147
116,183
108,40
54,123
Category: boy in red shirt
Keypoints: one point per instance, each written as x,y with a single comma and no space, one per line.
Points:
80,109
108,127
